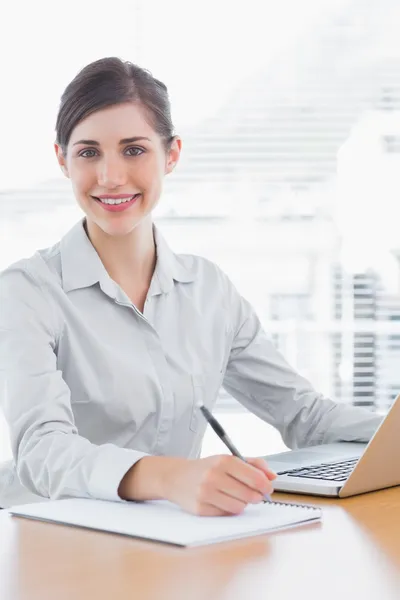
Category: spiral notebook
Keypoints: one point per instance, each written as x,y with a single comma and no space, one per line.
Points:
162,521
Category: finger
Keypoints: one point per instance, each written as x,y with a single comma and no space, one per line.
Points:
236,489
262,464
251,476
226,503
207,510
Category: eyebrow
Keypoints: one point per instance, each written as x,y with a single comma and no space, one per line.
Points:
124,141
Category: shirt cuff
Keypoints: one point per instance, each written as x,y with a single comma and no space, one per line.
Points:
109,470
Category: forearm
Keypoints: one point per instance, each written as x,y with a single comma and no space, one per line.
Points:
149,478
320,420
346,423
58,465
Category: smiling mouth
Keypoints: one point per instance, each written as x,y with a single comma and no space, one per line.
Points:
116,201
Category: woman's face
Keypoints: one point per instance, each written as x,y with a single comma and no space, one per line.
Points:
114,154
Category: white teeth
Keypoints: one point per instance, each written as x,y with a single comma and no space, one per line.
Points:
113,201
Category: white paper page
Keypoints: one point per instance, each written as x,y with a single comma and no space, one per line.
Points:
166,522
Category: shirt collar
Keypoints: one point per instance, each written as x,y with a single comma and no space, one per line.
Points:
81,265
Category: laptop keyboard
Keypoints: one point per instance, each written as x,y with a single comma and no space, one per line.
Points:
338,471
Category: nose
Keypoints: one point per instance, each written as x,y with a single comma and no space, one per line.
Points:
112,173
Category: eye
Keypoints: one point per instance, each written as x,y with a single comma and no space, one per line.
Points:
134,151
85,154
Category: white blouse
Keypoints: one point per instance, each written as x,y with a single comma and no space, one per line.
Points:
89,384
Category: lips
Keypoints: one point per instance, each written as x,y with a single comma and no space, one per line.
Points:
116,197
122,206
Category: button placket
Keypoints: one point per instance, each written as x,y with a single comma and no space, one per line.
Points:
198,399
166,415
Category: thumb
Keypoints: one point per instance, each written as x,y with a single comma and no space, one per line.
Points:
261,464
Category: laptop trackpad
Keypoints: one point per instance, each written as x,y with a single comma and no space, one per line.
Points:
315,455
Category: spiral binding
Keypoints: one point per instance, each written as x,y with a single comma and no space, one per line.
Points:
306,506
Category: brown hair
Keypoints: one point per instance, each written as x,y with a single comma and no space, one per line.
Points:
111,81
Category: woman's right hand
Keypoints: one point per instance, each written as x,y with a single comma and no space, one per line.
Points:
217,485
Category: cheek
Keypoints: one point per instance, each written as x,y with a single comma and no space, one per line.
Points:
81,179
152,173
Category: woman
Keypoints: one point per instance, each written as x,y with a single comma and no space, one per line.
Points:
109,341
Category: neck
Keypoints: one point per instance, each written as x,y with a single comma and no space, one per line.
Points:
127,259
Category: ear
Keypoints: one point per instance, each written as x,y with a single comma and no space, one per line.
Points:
173,155
61,159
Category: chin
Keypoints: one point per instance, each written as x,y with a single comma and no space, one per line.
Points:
119,227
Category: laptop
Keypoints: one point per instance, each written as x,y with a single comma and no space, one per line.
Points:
345,468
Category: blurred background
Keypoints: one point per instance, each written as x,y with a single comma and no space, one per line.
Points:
290,171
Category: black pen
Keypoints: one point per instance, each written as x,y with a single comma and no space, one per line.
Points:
219,430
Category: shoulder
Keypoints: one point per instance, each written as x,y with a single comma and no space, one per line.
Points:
25,286
203,271
211,286
42,268
25,297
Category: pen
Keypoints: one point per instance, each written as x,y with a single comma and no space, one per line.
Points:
219,430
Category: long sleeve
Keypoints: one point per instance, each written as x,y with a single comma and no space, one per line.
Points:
260,379
52,459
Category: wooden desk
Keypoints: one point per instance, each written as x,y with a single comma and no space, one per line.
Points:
354,553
